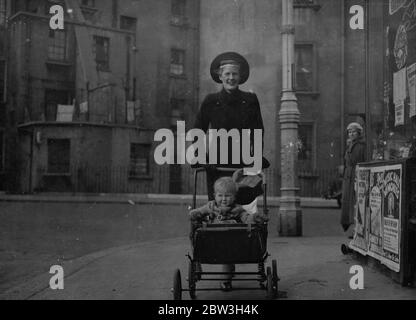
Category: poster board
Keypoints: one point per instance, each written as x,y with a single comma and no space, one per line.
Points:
377,213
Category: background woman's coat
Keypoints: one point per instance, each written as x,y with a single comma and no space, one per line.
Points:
355,153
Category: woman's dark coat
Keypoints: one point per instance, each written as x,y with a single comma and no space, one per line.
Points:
354,154
222,110
236,110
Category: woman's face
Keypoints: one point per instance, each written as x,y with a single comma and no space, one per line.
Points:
230,77
353,134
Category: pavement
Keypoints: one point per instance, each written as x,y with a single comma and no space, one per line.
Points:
129,250
309,268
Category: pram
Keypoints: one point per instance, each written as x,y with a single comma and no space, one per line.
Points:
229,244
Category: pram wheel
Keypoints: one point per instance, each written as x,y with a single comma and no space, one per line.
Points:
191,279
177,285
274,270
271,293
275,277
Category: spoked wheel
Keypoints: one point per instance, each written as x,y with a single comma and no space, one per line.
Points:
177,285
191,279
262,275
275,277
270,289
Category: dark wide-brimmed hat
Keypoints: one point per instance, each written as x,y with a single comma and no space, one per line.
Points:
230,58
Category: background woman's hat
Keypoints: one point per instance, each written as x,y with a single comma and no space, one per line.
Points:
355,126
227,58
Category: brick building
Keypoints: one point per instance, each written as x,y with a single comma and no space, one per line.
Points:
95,91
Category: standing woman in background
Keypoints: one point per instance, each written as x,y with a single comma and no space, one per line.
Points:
355,153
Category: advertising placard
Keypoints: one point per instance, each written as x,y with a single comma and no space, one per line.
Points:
375,193
361,209
377,214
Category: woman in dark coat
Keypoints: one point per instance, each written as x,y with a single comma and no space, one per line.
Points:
229,108
355,153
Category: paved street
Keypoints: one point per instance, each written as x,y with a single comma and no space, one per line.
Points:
309,268
120,251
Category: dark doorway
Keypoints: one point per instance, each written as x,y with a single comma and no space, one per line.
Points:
175,179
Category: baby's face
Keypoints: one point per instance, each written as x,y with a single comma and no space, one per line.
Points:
224,198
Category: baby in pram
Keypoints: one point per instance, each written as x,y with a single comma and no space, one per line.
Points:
224,209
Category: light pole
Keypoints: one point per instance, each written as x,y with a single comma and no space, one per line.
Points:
290,214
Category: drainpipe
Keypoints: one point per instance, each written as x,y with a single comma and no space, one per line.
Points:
32,137
114,13
342,79
127,82
197,37
367,76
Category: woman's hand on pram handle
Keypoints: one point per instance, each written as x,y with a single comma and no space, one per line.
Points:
259,218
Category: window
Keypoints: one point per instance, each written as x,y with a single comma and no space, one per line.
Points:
177,107
304,67
2,12
59,151
88,3
178,11
57,45
31,6
89,15
177,104
2,148
49,3
306,138
302,2
177,62
101,51
2,80
178,8
128,23
306,4
88,10
139,159
52,99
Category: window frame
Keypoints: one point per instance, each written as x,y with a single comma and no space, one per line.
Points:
2,150
314,85
172,65
132,19
89,4
312,4
52,92
312,160
3,13
181,13
99,64
63,163
133,173
3,80
57,44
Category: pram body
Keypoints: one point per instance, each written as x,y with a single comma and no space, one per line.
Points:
233,243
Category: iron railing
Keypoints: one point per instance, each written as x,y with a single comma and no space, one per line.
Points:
162,179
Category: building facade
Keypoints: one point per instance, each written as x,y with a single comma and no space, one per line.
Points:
137,66
95,91
253,28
